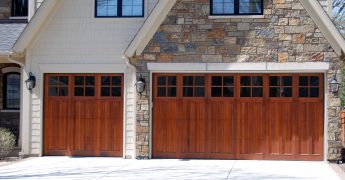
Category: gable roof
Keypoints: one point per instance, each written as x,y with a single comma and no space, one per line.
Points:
34,25
313,7
9,34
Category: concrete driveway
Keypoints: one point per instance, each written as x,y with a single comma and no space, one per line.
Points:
114,168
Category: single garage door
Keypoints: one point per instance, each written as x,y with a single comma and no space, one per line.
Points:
83,114
238,116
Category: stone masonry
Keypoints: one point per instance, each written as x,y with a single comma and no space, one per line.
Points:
285,34
5,9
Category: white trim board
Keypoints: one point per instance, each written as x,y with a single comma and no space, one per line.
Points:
82,68
293,67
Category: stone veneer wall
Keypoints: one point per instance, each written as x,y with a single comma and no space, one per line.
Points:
285,34
9,120
5,9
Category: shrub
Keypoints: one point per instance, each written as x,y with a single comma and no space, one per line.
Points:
7,142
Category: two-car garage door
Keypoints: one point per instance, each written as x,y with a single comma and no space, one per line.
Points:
83,114
238,116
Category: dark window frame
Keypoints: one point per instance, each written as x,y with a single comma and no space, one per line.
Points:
13,9
236,10
119,11
5,90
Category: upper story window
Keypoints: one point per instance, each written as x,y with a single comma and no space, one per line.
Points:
119,8
19,8
236,7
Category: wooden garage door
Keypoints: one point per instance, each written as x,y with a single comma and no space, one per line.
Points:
238,116
83,114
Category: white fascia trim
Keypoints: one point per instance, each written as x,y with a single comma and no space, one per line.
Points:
34,25
325,24
149,27
243,67
11,69
82,68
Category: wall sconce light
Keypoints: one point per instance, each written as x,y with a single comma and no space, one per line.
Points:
334,84
31,82
140,84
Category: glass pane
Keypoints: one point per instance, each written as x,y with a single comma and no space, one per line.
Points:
116,80
199,92
162,80
223,7
172,92
228,81
105,80
228,92
105,91
199,80
303,81
287,92
216,80
216,92
245,92
63,81
172,80
257,81
53,80
89,91
78,91
102,10
303,92
245,81
63,91
314,92
275,81
90,80
287,80
53,91
161,92
314,81
250,6
274,92
188,80
188,92
79,80
257,92
116,91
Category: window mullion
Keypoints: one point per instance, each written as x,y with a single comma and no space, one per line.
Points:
119,8
237,7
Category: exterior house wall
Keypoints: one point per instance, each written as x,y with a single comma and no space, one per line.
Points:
5,9
285,34
73,37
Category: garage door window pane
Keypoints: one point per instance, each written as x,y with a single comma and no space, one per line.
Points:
105,81
217,80
79,80
188,92
53,80
172,80
228,81
161,92
303,81
188,81
274,81
216,92
162,80
105,91
274,92
286,92
116,81
245,92
89,91
287,81
63,91
90,81
303,92
63,81
53,91
78,91
199,80
116,91
171,92
314,92
314,81
257,81
257,92
228,92
245,80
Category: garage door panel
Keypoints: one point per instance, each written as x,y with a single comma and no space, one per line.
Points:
166,126
79,118
281,120
220,130
251,132
193,123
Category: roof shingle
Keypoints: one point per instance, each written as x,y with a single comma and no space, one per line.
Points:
9,33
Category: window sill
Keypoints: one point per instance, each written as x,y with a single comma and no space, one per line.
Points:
237,16
10,111
18,17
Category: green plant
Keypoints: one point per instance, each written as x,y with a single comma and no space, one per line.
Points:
7,142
